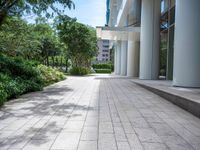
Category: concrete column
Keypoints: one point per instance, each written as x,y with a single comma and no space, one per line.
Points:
115,60
118,68
187,44
150,39
123,58
133,58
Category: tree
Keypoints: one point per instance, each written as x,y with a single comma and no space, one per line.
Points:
20,7
18,39
29,41
80,39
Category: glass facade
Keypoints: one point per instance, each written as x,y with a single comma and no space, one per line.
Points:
167,38
107,11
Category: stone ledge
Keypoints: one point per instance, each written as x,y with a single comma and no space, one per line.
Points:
186,102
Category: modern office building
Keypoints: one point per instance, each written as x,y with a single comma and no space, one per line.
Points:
103,51
155,37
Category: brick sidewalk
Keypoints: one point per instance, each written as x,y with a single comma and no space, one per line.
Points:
86,113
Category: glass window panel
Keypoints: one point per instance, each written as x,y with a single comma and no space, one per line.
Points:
172,3
172,15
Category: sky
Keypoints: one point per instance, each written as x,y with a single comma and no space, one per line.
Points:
90,12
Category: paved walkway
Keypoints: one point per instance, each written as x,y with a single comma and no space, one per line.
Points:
95,113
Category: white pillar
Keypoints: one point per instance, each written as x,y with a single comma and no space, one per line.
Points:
133,57
118,68
150,39
187,44
123,58
115,60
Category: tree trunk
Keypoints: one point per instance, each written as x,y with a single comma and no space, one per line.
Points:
2,18
61,59
53,61
57,64
66,64
47,61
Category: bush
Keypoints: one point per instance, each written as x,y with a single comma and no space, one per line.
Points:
79,71
3,94
50,75
103,70
17,67
18,76
102,66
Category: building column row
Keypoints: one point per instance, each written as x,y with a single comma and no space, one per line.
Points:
150,39
187,44
133,57
118,58
186,47
121,58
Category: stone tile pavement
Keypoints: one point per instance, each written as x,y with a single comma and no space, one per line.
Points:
96,113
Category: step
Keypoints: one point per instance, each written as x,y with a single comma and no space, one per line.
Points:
186,98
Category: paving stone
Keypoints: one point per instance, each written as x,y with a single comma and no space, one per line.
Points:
107,142
147,135
89,136
162,129
119,134
90,113
176,143
38,145
20,142
123,146
73,126
105,127
134,142
67,141
154,146
139,123
87,145
128,128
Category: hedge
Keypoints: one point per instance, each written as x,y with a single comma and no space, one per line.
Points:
103,70
102,66
79,71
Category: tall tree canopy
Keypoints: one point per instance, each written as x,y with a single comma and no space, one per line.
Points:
80,39
20,7
29,41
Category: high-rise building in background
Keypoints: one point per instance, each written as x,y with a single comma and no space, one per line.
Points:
103,51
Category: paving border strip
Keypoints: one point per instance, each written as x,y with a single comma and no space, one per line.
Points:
185,103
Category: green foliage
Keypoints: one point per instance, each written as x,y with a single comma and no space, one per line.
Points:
79,71
102,70
80,39
18,67
163,58
18,76
35,42
20,7
102,66
50,75
17,38
3,94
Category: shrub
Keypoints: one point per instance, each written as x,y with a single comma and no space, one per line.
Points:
79,71
17,67
3,94
102,66
50,75
18,76
103,70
